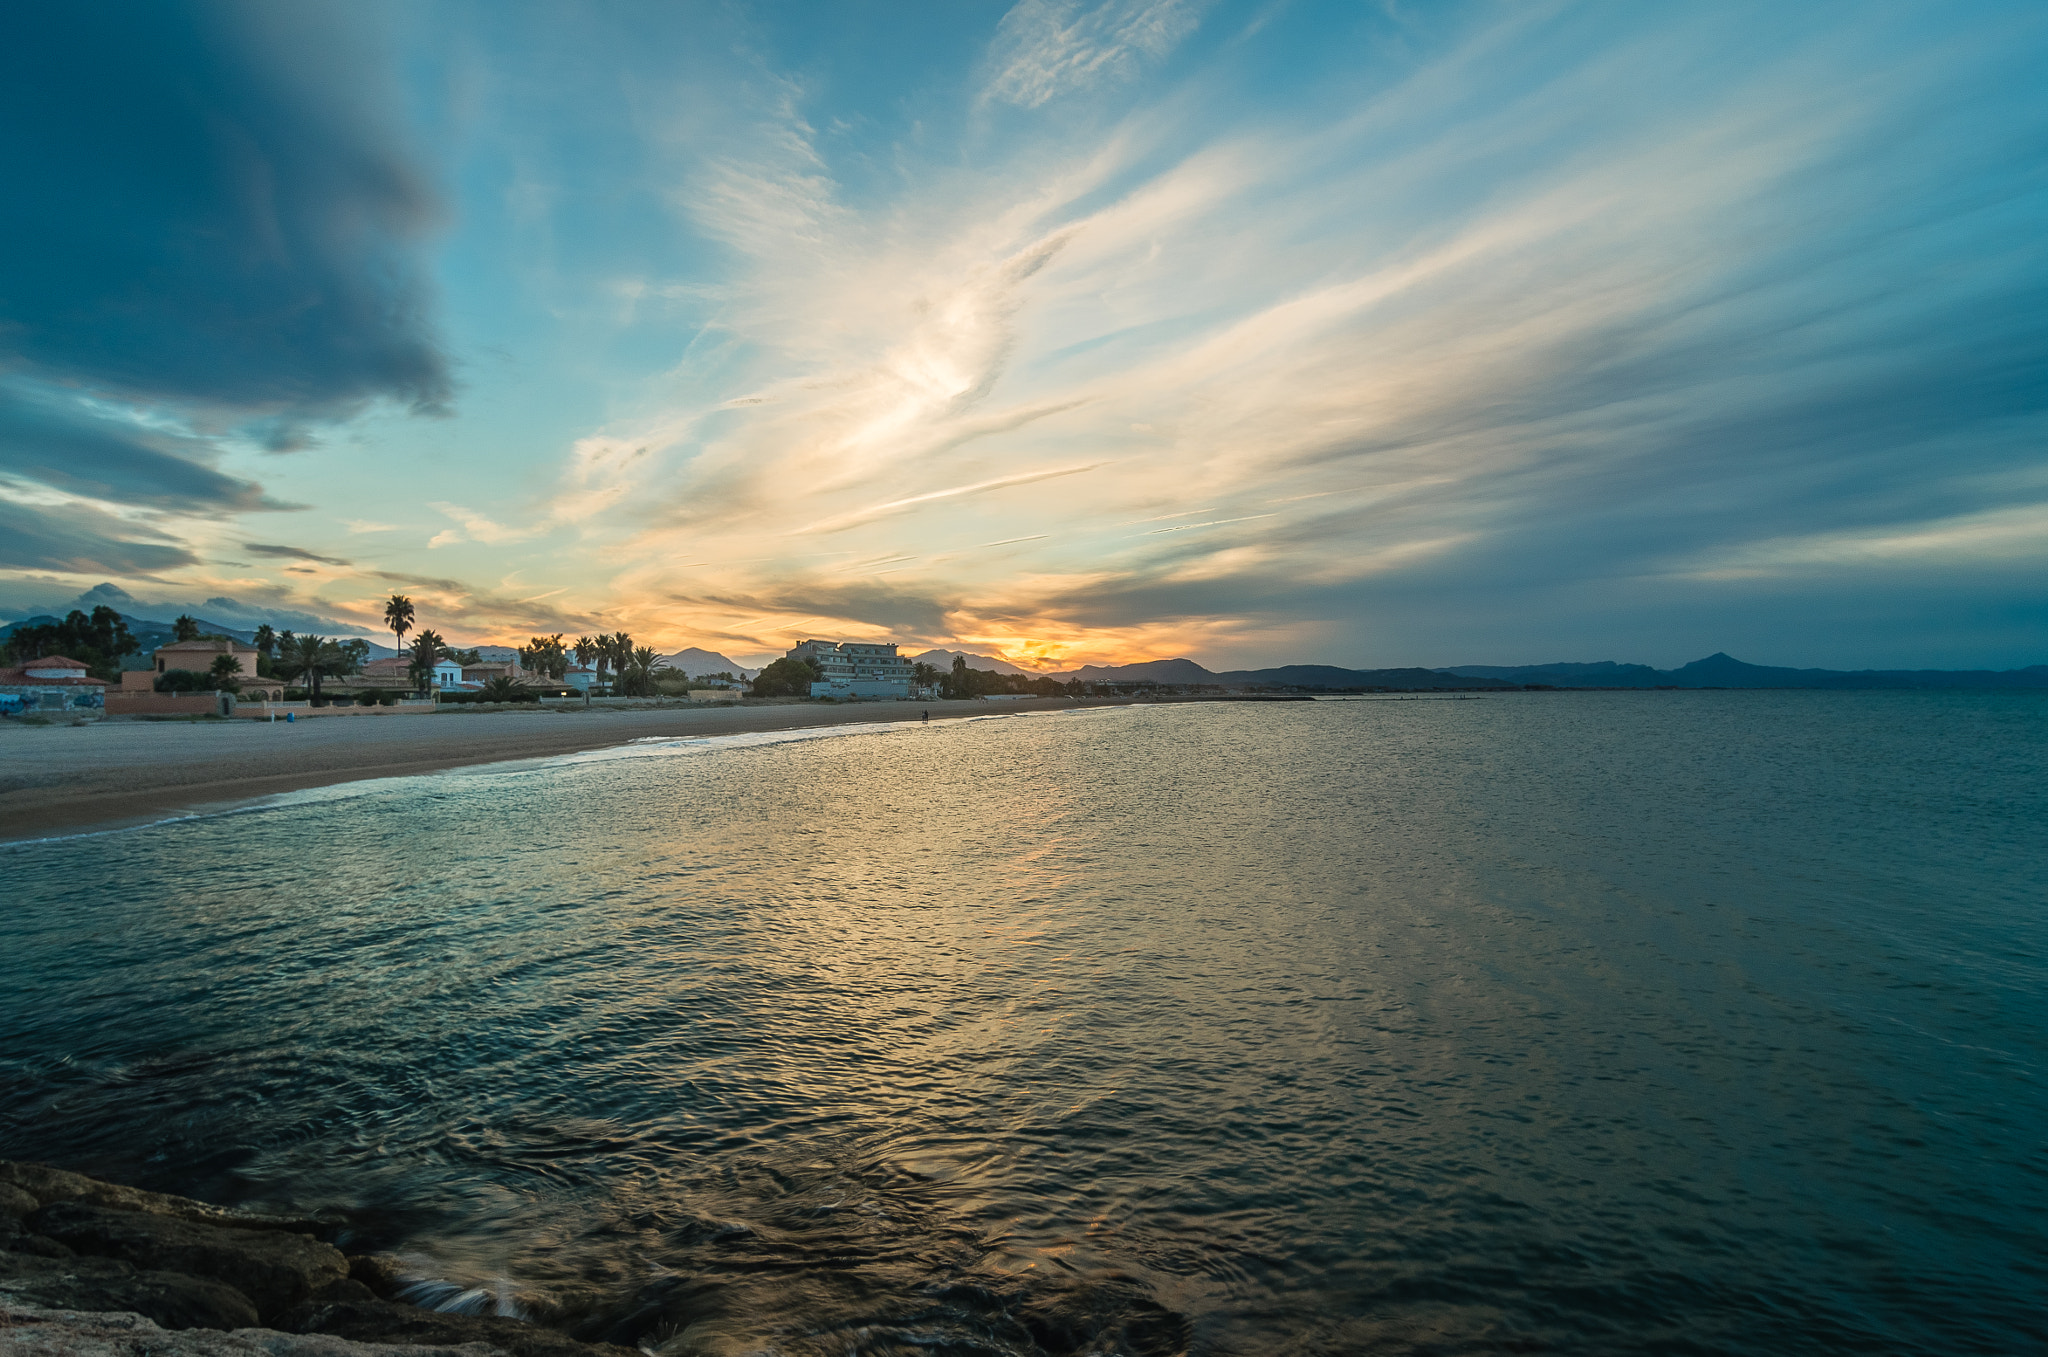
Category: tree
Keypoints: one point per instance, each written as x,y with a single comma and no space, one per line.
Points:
398,615
426,653
786,678
546,656
98,642
958,684
355,653
226,670
313,658
266,640
502,689
637,677
924,675
186,628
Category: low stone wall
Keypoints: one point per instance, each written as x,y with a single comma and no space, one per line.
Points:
124,702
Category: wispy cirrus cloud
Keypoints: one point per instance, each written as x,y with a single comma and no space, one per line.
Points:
1473,322
1044,48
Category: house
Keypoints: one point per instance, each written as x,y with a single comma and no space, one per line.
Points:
447,673
394,671
197,657
51,684
481,674
581,677
856,669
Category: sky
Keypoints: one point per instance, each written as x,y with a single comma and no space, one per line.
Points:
1276,332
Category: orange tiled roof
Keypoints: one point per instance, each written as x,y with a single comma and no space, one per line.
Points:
19,676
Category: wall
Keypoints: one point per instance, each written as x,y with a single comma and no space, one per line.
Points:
121,702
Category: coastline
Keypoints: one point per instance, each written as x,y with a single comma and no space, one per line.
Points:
61,780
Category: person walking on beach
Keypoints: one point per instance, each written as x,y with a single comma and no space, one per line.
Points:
927,717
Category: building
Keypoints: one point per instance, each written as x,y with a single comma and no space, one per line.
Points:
197,657
856,669
581,677
51,684
481,674
394,671
447,673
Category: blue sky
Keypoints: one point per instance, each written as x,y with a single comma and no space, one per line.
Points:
1341,333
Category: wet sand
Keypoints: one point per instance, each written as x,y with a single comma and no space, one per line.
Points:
65,779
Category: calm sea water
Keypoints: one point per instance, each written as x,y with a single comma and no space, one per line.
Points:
1587,1023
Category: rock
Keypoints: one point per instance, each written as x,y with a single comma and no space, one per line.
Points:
383,1321
275,1269
68,1333
171,1299
15,1201
348,1288
46,1185
36,1245
383,1273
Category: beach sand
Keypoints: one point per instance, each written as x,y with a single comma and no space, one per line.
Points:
64,779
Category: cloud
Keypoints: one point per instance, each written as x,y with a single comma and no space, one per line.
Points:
92,452
868,515
222,214
81,540
476,527
1459,328
292,554
1046,48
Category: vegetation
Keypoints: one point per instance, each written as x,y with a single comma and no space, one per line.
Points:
398,616
226,674
427,651
545,656
313,658
965,682
786,678
186,628
187,681
266,652
503,689
98,642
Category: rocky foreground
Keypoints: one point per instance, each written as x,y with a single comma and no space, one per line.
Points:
94,1269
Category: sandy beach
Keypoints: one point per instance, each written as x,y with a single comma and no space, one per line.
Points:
64,779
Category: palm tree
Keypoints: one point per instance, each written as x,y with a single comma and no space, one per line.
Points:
226,669
311,658
186,628
266,640
398,616
427,649
924,675
501,689
586,650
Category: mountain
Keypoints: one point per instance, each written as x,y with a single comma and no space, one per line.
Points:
1323,676
697,663
1605,674
153,633
1724,671
1326,676
1154,671
943,659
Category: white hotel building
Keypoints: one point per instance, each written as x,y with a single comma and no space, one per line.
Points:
854,669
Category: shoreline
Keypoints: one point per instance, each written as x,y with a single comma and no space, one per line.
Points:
59,781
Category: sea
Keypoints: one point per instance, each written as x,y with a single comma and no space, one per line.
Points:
1646,1022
